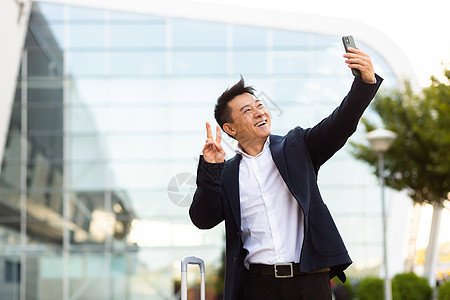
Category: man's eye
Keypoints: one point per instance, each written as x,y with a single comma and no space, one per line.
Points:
247,110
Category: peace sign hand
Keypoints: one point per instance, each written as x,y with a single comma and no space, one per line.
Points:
213,151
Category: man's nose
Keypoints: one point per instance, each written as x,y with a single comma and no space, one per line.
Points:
259,112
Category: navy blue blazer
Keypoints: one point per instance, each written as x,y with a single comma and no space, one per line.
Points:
298,156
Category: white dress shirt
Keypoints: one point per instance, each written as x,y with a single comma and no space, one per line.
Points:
271,219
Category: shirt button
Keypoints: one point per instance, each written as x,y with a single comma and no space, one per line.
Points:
234,259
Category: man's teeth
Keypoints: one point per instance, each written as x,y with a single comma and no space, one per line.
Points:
260,123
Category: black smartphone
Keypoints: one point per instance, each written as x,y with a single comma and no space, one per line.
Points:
350,42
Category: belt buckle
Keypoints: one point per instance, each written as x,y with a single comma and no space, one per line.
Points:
283,276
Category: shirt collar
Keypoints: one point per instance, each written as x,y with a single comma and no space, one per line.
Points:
240,151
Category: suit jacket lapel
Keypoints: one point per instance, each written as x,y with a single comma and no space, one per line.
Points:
231,187
276,148
279,157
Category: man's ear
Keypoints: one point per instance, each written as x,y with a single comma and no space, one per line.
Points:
229,128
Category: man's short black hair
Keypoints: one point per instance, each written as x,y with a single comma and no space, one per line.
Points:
222,112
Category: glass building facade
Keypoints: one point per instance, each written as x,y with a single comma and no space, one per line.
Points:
106,128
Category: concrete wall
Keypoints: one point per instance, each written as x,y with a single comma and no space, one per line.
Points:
14,16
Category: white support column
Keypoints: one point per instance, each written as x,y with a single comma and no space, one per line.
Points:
14,15
432,253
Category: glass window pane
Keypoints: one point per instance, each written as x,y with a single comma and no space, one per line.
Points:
200,62
57,30
49,93
81,120
40,65
12,200
51,36
49,11
87,63
138,119
147,174
188,89
11,167
285,38
87,148
144,35
250,62
45,119
249,37
40,173
188,33
291,62
87,35
138,63
89,176
318,40
119,90
78,13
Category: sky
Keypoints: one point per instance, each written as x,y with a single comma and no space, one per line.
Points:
419,28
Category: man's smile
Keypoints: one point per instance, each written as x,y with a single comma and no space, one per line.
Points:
262,123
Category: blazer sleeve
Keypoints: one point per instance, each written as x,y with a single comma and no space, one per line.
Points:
206,209
328,136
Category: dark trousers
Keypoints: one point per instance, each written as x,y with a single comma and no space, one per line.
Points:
313,286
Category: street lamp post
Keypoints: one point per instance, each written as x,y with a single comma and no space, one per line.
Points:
380,141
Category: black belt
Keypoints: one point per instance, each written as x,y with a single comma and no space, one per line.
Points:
281,270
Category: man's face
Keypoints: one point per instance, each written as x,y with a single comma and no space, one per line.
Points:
250,119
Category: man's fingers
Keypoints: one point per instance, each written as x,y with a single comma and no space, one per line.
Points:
209,135
356,51
218,135
209,146
357,62
219,148
209,143
362,62
208,131
361,56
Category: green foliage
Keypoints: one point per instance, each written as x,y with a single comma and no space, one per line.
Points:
409,286
418,160
444,291
370,288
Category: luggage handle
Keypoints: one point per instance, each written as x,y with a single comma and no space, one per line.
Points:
184,264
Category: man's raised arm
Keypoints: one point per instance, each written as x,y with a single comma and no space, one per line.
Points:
206,208
327,137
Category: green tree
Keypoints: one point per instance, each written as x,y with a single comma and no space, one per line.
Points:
444,291
418,162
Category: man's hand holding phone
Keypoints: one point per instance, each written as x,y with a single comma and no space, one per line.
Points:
358,60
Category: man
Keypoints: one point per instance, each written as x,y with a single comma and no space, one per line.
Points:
281,241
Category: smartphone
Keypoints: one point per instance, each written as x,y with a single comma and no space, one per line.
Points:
350,42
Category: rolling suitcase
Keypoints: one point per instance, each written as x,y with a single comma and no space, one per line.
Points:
184,265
